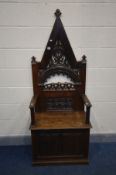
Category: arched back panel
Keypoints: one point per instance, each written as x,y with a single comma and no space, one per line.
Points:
59,59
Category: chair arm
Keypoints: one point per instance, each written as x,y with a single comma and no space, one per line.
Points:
32,108
88,106
86,101
33,102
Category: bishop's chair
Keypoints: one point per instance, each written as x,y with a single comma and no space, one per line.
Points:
60,110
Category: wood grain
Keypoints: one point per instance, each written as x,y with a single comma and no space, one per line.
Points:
60,120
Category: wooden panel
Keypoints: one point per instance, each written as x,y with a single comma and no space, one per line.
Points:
47,145
60,120
60,144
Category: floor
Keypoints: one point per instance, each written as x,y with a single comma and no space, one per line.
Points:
16,160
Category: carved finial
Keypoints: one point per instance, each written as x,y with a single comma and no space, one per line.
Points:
84,58
57,13
33,60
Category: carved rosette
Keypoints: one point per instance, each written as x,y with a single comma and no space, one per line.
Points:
58,57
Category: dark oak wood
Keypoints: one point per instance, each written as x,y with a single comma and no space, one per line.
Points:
60,120
60,161
60,111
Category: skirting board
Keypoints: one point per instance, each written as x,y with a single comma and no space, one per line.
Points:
26,140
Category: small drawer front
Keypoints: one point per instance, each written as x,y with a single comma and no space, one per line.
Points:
60,144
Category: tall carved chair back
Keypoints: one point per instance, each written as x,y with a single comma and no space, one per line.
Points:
59,79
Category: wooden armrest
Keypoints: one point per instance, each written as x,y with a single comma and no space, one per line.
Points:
88,106
33,102
32,108
86,100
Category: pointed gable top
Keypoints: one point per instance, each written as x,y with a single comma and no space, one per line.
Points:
58,51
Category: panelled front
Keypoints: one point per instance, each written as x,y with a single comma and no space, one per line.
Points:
68,143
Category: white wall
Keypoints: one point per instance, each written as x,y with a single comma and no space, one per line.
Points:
25,26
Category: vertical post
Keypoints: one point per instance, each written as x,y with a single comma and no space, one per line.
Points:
32,115
83,73
87,114
34,74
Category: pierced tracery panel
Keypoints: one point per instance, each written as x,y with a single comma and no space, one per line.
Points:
58,79
58,56
59,104
58,82
58,86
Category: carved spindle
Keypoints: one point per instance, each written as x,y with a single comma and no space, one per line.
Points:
88,114
84,59
32,116
33,60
